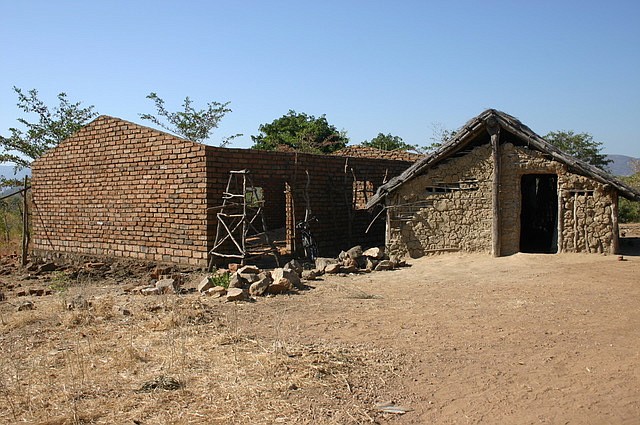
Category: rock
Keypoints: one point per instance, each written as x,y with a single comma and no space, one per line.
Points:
134,288
21,294
233,267
384,265
349,265
96,265
237,281
78,303
150,291
47,267
295,266
264,275
166,286
122,310
216,291
370,264
38,292
26,305
260,287
355,252
130,287
310,274
280,286
375,253
397,261
342,255
322,263
332,268
205,284
236,294
292,276
178,278
160,271
250,277
248,270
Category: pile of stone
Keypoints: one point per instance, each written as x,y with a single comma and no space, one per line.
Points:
163,281
355,260
250,281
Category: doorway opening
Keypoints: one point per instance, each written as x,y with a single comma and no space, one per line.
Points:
539,213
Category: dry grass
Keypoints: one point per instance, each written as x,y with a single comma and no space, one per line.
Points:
98,366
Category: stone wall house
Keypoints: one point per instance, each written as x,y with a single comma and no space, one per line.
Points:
119,189
497,187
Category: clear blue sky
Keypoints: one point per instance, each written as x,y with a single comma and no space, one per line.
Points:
371,66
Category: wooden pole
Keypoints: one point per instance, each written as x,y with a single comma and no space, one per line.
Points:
25,225
493,128
615,241
560,229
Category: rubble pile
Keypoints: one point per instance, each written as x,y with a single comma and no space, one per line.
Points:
163,280
249,281
237,284
355,260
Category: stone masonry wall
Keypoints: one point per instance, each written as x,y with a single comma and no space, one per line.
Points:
118,189
448,208
585,205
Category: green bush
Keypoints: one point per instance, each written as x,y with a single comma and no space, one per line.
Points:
220,279
629,211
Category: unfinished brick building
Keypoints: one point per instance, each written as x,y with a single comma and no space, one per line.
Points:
498,187
119,189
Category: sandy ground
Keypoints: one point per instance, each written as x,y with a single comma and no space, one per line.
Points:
458,339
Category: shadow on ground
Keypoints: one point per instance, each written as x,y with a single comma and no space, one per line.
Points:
630,246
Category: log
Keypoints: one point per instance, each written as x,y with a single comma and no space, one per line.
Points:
25,225
615,241
493,128
560,220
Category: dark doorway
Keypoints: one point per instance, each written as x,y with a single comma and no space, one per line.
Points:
539,214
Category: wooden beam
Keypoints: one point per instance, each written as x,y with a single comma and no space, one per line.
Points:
25,224
493,128
560,213
615,241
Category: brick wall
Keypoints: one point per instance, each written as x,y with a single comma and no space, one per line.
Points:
330,192
119,189
340,223
374,153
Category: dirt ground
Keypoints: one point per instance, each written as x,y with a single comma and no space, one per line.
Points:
457,339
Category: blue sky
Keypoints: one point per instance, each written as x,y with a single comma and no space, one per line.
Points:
371,66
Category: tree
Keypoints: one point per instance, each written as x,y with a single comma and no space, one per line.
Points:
24,146
439,136
629,211
191,124
387,142
580,146
302,132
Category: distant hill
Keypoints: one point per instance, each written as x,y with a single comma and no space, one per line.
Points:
621,165
6,171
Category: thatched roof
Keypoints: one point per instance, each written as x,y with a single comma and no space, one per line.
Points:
474,127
